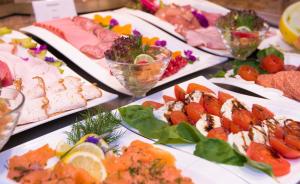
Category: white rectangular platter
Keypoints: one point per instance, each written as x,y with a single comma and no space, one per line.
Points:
98,68
200,171
278,108
106,96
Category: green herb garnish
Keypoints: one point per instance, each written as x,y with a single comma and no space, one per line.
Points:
142,119
236,64
102,123
270,51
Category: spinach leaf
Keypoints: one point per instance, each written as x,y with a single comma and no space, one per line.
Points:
269,51
142,119
219,151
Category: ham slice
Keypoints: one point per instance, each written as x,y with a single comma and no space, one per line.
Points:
6,47
209,37
90,92
211,17
70,31
72,83
33,110
64,101
34,88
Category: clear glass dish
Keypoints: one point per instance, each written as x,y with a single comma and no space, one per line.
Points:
138,79
11,103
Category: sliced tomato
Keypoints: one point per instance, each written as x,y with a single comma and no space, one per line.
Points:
178,117
225,123
248,72
272,64
179,93
292,128
154,105
223,97
242,118
218,133
263,153
292,141
234,128
211,105
278,132
283,149
193,87
168,98
194,111
260,113
242,34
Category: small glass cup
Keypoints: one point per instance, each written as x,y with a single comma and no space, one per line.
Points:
138,79
14,101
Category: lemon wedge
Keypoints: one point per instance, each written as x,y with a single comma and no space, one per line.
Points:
289,24
143,59
89,162
61,148
90,148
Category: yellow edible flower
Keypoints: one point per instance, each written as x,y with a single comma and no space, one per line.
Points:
149,41
123,30
104,21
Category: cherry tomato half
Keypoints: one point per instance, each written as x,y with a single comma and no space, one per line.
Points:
272,64
248,73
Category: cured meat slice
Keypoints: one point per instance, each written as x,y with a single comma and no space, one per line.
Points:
34,88
6,78
33,110
93,51
265,80
208,37
292,84
70,31
85,23
90,92
211,17
64,101
6,47
105,35
71,82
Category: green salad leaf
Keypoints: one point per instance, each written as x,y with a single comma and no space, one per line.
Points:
142,119
218,151
219,74
269,51
260,166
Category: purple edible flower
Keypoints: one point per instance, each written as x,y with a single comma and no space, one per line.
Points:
113,22
92,139
189,55
161,43
39,49
136,33
201,18
49,59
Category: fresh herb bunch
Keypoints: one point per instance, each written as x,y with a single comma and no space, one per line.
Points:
100,123
125,49
237,18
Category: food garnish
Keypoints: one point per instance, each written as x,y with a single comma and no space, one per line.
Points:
4,31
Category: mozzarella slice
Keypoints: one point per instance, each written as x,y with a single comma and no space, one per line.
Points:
175,106
226,109
195,96
208,122
160,113
258,134
241,140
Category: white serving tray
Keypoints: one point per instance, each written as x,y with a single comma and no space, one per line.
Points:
201,171
98,68
106,96
278,108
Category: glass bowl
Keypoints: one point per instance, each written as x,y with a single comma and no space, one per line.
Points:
11,103
242,44
138,79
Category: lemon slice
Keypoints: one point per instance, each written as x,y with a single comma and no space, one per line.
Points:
89,162
289,24
61,148
90,148
143,59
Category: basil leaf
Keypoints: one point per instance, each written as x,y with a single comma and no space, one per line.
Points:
189,132
219,151
169,135
260,166
269,51
142,119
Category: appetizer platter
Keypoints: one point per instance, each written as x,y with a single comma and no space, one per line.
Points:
273,74
224,127
100,151
89,54
198,20
51,89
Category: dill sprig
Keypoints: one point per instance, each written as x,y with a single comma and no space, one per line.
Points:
101,122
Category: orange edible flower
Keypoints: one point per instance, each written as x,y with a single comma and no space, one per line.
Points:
122,30
102,20
176,53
